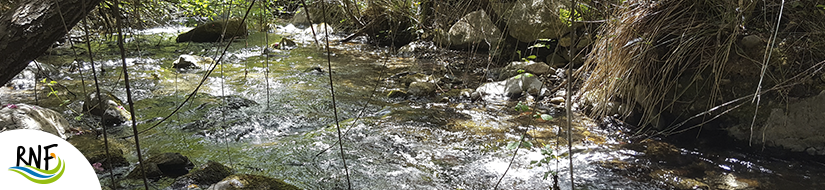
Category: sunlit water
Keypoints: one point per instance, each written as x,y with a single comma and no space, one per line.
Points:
396,144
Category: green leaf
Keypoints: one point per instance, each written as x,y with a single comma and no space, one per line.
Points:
533,162
545,175
526,144
520,71
546,117
528,75
531,57
512,145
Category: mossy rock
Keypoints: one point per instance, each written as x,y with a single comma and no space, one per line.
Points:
211,31
248,181
211,173
94,151
111,110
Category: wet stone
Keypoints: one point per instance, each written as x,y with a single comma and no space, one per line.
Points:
169,164
111,110
421,88
210,173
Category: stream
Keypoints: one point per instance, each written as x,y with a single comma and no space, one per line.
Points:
272,114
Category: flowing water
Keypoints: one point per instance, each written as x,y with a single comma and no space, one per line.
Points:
287,130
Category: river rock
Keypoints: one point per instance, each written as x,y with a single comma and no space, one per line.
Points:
152,172
422,88
798,129
418,49
248,181
111,112
94,150
538,68
752,42
237,102
287,44
530,20
24,116
415,77
525,82
169,164
556,60
192,62
211,173
473,29
676,181
211,31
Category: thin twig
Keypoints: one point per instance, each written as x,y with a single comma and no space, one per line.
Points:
99,103
569,90
119,24
756,95
332,92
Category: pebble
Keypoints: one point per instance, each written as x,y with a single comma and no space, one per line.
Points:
557,100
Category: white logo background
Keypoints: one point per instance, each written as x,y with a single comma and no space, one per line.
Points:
78,174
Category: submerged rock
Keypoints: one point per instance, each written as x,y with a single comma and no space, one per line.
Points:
166,164
422,88
248,181
24,116
212,31
192,62
287,44
94,150
673,179
211,173
110,111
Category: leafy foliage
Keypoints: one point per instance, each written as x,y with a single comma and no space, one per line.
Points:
549,156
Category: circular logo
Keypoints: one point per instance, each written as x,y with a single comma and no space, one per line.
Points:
34,159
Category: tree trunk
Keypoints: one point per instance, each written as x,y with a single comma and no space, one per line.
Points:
30,29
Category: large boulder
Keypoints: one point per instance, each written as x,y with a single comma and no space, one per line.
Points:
798,129
474,29
530,20
110,111
211,31
24,116
248,181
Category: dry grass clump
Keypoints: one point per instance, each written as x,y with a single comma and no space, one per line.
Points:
684,60
654,51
